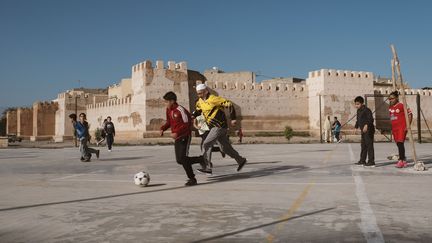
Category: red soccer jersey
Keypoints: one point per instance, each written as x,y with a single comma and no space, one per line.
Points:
179,119
397,117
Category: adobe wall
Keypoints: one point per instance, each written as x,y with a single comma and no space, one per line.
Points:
121,90
125,119
174,78
233,77
269,106
75,101
44,120
11,122
337,88
144,111
25,122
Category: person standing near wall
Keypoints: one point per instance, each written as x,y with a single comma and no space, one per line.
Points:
109,131
327,129
212,107
399,126
365,124
336,128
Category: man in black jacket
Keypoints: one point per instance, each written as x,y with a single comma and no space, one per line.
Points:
109,131
365,124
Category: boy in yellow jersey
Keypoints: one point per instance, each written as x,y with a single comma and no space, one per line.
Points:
212,108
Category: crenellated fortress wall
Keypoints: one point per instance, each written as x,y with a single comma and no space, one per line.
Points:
138,109
266,106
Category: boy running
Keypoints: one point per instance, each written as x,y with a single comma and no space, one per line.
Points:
82,131
399,127
179,119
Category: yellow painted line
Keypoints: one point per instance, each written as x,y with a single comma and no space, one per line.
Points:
296,205
299,200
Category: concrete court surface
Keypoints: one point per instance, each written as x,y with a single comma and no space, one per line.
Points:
286,193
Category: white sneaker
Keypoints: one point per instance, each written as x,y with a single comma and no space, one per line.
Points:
109,150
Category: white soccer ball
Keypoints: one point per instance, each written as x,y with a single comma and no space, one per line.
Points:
142,178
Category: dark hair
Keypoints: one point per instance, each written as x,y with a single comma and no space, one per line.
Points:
170,96
395,93
83,114
108,117
359,99
335,117
73,116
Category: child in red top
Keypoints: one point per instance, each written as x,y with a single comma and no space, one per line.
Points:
179,119
399,127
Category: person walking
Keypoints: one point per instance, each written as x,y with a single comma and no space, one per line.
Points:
212,107
336,129
109,131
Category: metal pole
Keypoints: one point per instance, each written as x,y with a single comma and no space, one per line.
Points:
321,138
418,118
76,111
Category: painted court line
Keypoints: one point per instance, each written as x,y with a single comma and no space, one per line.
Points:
294,207
369,226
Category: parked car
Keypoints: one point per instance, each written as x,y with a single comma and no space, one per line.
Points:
12,138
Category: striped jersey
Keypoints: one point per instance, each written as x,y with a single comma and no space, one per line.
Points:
213,110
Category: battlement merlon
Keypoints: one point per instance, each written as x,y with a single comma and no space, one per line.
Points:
340,73
45,105
269,86
387,91
147,64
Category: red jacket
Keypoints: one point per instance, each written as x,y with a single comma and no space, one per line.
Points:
179,119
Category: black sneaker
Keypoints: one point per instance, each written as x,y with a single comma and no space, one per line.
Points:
223,154
241,164
97,153
369,164
360,163
191,182
205,171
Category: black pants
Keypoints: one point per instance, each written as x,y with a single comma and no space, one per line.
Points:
109,140
367,147
181,147
337,135
401,148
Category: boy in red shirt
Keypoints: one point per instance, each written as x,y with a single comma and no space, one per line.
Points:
179,119
399,127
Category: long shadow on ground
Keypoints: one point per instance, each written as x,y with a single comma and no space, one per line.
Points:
261,226
216,179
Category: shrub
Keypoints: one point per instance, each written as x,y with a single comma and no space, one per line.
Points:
289,132
98,134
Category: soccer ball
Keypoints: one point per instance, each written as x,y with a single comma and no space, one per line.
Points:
142,178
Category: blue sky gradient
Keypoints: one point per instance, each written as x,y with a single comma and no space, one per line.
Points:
47,45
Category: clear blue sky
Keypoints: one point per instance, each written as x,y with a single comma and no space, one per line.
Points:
45,46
